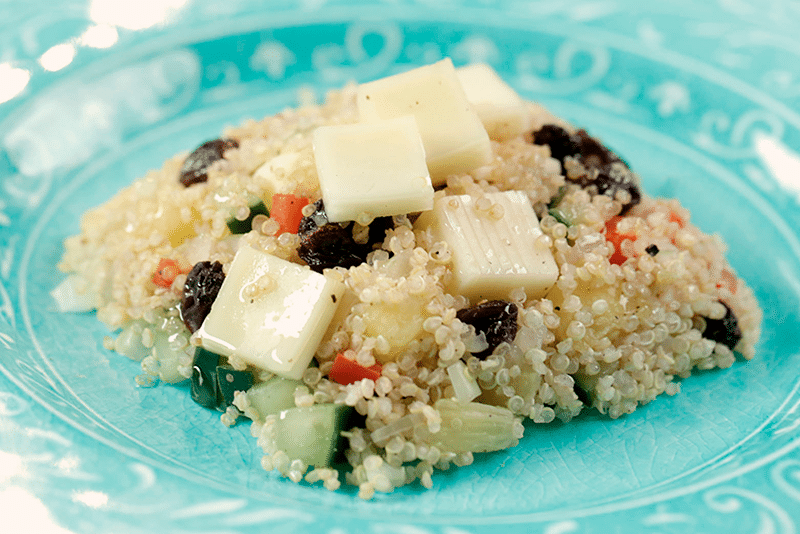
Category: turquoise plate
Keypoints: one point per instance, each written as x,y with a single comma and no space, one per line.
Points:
701,100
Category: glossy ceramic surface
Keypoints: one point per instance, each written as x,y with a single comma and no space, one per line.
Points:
702,101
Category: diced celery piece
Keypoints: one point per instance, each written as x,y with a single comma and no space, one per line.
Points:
311,434
559,215
272,396
475,427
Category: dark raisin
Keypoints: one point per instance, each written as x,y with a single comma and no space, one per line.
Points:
325,244
725,330
204,389
617,178
592,153
230,380
497,319
652,250
606,173
195,167
199,292
558,139
309,224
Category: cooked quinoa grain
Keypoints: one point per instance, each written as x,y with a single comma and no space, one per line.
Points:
641,298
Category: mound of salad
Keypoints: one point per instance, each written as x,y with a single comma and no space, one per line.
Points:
394,280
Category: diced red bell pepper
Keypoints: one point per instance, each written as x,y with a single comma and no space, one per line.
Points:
166,272
287,210
728,280
674,217
346,371
615,237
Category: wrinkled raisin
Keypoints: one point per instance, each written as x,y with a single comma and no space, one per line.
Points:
725,330
325,244
497,319
558,139
195,167
199,292
606,173
592,152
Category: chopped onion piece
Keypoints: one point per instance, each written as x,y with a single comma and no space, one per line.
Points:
464,384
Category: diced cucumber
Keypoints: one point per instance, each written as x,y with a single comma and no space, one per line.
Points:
272,396
229,380
475,427
312,434
204,378
242,227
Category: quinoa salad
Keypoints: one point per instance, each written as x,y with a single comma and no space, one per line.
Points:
391,281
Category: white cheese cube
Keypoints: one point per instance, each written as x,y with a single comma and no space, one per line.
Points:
501,110
270,313
454,138
492,254
377,168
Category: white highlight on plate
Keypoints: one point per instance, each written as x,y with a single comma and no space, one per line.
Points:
92,499
133,15
24,512
57,57
15,79
70,122
99,36
782,162
11,466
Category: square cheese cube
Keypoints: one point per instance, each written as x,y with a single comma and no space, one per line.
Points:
271,313
376,168
454,137
501,110
491,255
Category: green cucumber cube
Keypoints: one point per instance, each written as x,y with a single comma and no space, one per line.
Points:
230,380
273,396
204,378
312,434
